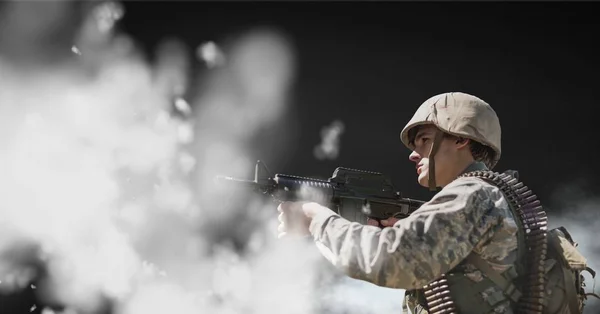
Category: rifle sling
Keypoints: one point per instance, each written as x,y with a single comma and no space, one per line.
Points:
509,289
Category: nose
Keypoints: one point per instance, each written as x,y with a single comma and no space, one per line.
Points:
414,157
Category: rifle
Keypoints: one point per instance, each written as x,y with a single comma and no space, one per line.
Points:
354,194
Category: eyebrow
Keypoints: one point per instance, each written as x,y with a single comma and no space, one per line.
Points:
421,134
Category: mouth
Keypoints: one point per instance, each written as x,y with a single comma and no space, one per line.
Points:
419,169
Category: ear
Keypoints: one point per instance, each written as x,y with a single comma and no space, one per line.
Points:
462,142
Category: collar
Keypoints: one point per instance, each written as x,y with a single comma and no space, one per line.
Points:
475,166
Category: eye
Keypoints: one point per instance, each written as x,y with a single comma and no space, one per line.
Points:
424,140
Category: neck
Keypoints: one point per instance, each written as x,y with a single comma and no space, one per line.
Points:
461,165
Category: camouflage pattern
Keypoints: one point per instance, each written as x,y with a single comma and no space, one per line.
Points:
468,215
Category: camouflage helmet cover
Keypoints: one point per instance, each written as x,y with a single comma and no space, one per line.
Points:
459,114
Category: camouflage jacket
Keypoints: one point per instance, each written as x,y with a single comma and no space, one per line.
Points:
468,215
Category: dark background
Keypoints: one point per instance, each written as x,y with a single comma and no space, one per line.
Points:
372,64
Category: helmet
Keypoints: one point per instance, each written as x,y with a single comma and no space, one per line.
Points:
459,114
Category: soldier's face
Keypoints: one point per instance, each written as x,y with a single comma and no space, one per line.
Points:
445,159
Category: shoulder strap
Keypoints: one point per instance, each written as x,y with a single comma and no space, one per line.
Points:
571,295
509,289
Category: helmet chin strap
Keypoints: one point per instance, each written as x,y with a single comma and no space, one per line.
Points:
434,149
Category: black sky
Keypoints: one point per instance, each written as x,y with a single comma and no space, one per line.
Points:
372,64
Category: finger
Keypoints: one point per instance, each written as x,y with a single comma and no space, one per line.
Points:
372,222
285,206
389,222
392,221
281,228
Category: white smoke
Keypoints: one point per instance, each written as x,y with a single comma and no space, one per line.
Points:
96,180
329,147
71,142
210,53
108,166
355,296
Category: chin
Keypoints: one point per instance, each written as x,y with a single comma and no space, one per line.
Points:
423,180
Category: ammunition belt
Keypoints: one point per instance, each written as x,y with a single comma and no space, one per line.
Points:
534,222
437,295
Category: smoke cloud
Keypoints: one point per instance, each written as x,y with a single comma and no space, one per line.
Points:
107,169
329,148
108,161
210,53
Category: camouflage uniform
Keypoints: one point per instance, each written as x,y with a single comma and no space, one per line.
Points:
464,245
468,215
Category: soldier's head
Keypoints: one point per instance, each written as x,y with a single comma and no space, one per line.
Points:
447,133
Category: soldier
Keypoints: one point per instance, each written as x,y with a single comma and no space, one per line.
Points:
450,134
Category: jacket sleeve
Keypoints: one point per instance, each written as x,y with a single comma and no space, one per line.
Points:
418,249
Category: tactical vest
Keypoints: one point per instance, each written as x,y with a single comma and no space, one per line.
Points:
546,278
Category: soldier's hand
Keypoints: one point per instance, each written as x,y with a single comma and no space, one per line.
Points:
295,217
389,222
382,223
373,222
